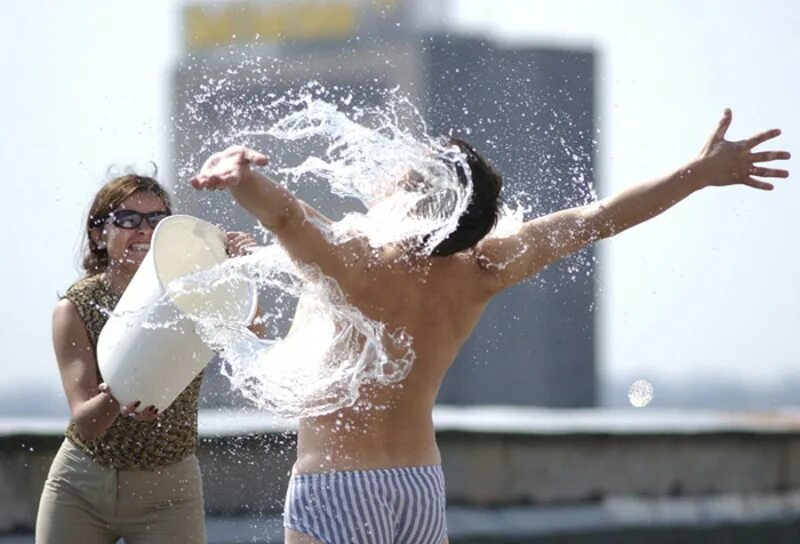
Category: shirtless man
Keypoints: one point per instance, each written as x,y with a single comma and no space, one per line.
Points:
374,476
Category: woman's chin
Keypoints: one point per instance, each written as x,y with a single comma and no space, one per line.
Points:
134,258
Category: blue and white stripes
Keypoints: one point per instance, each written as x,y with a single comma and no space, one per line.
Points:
383,506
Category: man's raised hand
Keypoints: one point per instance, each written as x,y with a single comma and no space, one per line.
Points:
723,162
227,168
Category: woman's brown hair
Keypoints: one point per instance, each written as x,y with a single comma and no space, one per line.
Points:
108,199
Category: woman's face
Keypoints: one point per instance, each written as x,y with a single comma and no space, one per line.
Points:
127,247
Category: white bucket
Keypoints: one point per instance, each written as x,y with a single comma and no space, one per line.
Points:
154,364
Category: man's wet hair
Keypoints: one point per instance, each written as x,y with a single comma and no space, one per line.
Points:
482,212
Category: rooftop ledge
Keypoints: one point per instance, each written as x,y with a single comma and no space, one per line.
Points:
519,474
494,420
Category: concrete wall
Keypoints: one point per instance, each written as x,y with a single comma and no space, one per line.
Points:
498,457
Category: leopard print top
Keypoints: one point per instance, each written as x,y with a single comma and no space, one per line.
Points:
130,444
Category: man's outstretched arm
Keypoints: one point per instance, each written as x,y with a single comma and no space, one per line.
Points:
546,239
297,225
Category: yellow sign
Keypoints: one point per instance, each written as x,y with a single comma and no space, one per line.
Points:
243,22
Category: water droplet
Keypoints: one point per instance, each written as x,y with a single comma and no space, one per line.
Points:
640,393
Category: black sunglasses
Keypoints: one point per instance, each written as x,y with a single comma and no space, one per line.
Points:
130,219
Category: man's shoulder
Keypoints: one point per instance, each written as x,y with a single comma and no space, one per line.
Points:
467,262
456,273
398,271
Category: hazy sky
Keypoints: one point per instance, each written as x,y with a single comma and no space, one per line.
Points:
708,289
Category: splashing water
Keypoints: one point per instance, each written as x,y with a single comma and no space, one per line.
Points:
408,183
410,187
331,349
406,179
381,157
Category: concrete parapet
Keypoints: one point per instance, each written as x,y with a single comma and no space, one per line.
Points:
493,456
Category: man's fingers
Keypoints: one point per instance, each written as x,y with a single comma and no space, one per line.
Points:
255,157
208,182
769,172
757,184
724,123
762,137
765,156
199,182
212,182
224,169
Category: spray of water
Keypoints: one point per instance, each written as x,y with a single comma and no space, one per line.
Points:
379,157
408,183
405,179
330,351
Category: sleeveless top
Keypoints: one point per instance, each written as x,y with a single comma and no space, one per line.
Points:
130,444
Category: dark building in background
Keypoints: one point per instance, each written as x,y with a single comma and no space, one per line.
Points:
529,110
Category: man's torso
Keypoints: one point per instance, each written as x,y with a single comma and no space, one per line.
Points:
437,302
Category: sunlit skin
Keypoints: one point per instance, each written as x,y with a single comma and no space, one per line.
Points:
92,405
440,310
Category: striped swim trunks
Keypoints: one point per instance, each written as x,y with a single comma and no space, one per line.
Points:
382,506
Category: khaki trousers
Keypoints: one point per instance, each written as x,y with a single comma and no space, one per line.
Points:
84,502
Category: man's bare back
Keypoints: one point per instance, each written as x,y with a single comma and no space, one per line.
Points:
437,303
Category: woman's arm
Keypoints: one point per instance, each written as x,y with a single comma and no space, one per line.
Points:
92,405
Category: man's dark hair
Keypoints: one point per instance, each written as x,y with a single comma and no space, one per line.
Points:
482,212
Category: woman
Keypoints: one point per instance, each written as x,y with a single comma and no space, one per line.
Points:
123,471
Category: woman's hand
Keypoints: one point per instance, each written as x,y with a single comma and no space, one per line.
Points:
239,243
148,414
722,162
